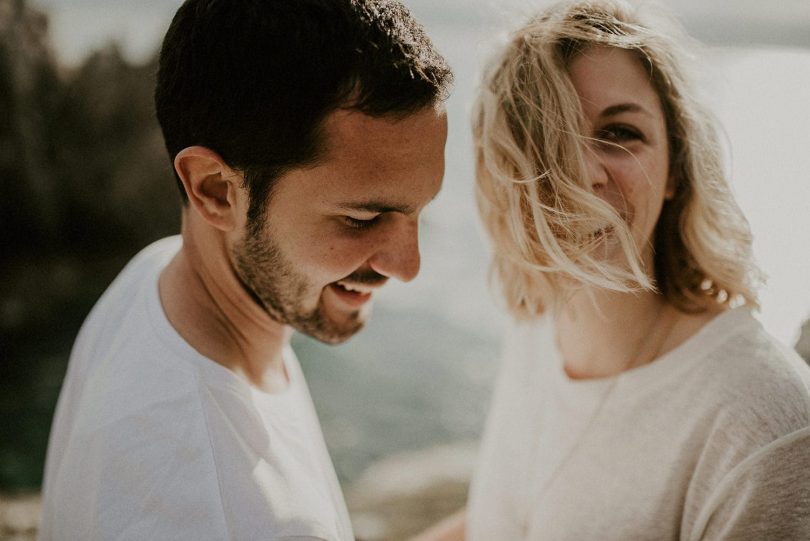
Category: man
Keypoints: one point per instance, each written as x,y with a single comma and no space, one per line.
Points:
306,137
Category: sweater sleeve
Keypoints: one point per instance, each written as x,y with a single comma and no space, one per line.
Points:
767,496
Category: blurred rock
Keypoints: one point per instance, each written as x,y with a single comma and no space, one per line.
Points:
19,517
404,494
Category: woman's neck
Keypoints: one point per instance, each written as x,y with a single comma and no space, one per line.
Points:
603,333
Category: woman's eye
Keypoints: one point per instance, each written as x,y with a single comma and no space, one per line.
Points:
359,224
619,133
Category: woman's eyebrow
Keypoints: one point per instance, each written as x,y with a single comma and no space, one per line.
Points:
620,108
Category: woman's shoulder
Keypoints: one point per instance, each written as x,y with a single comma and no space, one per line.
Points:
749,407
750,356
759,384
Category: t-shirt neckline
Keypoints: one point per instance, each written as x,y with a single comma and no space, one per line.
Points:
213,372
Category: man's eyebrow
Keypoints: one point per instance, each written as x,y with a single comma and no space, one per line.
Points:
376,207
379,206
620,108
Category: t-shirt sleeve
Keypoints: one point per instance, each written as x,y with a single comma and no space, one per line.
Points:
767,496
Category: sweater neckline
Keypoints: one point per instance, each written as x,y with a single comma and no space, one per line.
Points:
708,338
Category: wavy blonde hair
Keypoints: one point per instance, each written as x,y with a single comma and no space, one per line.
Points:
530,172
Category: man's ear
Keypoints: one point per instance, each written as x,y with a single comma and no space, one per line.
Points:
211,185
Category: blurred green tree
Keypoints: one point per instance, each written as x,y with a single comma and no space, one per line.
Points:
85,184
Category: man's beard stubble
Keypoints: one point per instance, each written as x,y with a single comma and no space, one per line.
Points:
271,280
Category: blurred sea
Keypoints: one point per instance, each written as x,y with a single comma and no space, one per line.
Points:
421,373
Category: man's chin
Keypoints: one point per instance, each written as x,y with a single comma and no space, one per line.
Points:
333,336
333,332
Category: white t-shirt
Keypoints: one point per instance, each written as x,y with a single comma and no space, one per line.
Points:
151,440
710,441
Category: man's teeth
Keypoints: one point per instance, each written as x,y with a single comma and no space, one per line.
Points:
356,287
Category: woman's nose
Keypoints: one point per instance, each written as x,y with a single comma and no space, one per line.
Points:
597,172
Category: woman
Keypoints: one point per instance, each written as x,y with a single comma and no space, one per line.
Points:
638,397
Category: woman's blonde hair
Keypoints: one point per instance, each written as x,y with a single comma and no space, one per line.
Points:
531,171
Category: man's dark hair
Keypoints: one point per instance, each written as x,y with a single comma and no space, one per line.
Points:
253,79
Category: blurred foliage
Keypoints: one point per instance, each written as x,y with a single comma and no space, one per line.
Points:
86,183
81,157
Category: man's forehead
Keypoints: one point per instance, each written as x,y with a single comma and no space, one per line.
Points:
348,127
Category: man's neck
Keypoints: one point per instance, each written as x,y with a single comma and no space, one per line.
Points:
208,306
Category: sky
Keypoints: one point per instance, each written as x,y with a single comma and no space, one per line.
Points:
78,26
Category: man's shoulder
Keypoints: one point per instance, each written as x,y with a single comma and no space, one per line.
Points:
128,299
153,257
136,449
124,362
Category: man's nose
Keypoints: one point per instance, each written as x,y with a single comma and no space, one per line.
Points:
398,256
